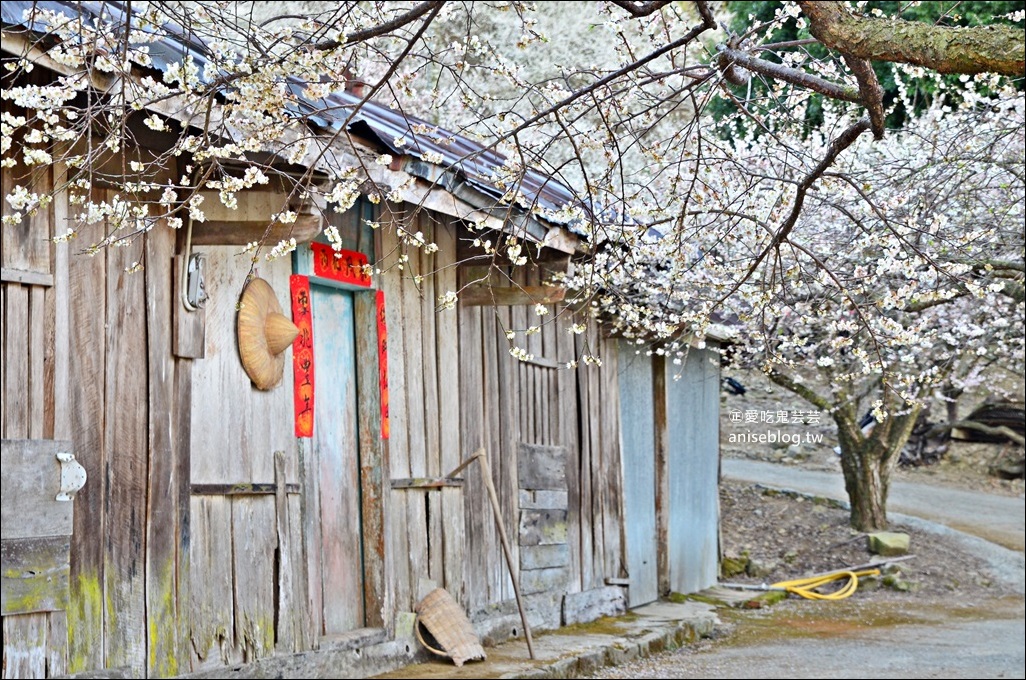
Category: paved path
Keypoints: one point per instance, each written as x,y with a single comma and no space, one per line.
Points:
999,519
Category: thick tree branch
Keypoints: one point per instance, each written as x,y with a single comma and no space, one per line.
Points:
794,76
801,389
869,91
1002,430
382,29
984,49
640,9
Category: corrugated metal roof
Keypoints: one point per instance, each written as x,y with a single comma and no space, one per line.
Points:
476,163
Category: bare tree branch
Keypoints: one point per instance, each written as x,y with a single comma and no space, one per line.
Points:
382,28
790,75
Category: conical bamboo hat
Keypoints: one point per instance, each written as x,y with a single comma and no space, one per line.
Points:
264,333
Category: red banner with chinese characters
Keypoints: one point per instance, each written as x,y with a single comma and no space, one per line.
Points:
383,363
303,356
347,266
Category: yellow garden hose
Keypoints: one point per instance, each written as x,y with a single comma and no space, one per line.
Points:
805,587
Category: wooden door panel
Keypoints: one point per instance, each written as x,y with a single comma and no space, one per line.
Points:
336,453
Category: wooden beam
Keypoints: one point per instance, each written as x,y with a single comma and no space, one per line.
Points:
241,489
251,221
426,482
502,296
8,275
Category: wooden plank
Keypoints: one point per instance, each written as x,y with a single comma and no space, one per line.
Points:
25,646
550,348
27,244
508,431
57,644
435,544
127,426
373,464
162,498
16,361
612,470
83,404
597,470
310,502
547,498
183,446
413,333
35,574
543,527
506,296
544,556
542,467
471,415
449,391
3,364
251,221
48,354
285,625
253,544
61,346
662,477
211,605
241,489
542,362
305,638
426,482
30,482
398,447
189,325
567,406
587,550
26,278
592,604
492,381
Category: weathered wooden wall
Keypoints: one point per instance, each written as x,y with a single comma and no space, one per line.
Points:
35,644
87,358
238,572
455,388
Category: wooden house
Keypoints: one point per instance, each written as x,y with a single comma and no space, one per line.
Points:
210,532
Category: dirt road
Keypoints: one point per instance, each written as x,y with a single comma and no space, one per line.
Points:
947,637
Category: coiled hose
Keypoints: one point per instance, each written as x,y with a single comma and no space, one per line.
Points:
805,587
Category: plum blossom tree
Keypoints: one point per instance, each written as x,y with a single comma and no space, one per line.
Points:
900,284
886,258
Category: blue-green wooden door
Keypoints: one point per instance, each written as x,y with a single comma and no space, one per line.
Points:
337,463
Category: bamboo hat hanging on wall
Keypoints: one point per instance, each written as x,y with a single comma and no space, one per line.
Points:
263,333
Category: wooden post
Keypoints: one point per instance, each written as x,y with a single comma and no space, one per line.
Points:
513,571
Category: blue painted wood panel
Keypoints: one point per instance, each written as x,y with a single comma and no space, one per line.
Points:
692,414
337,460
638,459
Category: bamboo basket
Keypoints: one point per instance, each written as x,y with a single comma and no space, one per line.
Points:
443,617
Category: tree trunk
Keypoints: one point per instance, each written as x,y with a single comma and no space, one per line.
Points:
867,463
867,480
